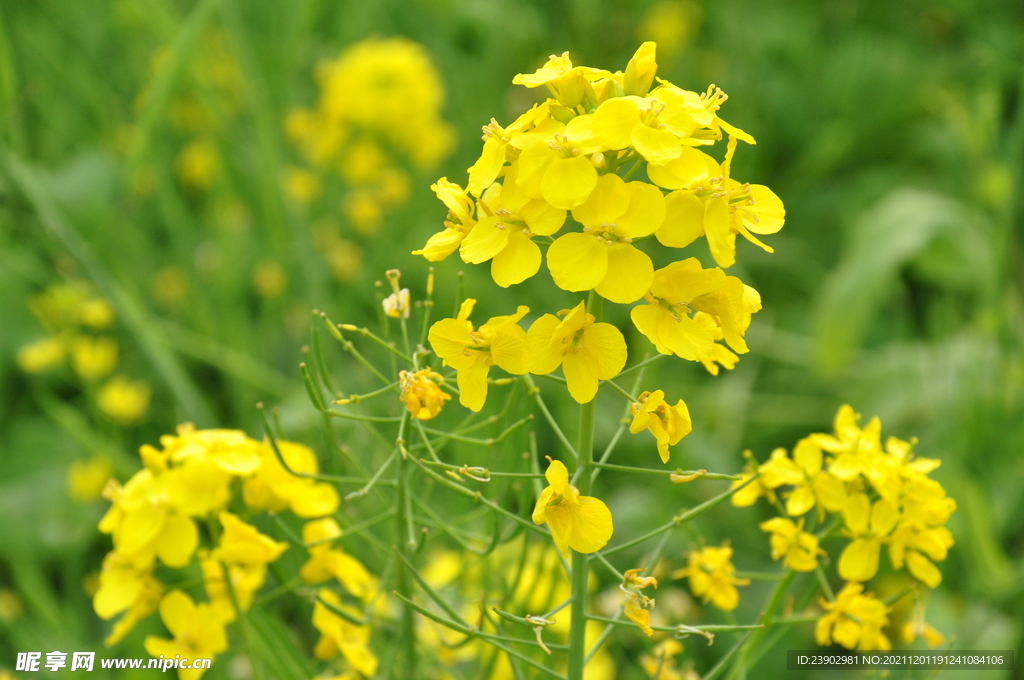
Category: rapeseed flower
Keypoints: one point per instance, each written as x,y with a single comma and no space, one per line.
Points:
508,220
587,350
867,525
683,287
339,636
668,424
93,358
123,400
198,633
637,606
86,478
789,541
556,167
273,488
42,355
855,620
460,221
712,576
471,352
327,561
421,393
603,257
582,523
125,587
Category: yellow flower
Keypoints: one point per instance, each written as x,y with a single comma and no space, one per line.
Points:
789,541
640,70
498,140
198,634
668,424
230,450
654,125
421,393
124,401
125,587
637,606
269,279
274,489
459,223
471,353
93,358
855,620
712,576
919,538
603,257
396,305
245,580
586,351
42,355
326,561
777,471
569,84
96,313
86,478
146,522
243,544
582,523
705,200
684,286
198,163
557,167
818,487
867,526
508,222
338,635
301,185
671,23
855,449
911,630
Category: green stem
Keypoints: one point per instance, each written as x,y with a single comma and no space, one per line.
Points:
407,654
580,568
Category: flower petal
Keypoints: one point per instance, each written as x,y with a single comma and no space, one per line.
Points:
568,181
591,525
629,274
518,261
577,261
684,220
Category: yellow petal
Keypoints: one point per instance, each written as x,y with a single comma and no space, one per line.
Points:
609,199
591,525
178,612
541,218
580,376
859,561
767,215
510,350
605,342
533,163
568,181
692,167
629,274
684,219
656,146
487,238
645,214
486,168
884,515
721,239
923,570
178,540
518,261
472,382
856,513
317,500
545,356
638,615
441,245
577,261
613,122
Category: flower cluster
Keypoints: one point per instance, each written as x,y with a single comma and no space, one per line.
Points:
576,154
879,495
379,107
77,324
159,516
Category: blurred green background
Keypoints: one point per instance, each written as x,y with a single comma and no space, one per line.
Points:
893,132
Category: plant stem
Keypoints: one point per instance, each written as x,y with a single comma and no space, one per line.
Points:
407,661
580,570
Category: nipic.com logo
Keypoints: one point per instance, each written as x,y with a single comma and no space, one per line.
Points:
84,661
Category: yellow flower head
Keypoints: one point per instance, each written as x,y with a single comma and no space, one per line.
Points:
230,450
93,358
637,606
471,352
421,393
668,424
124,401
273,488
569,84
582,523
586,351
125,587
243,544
855,620
326,561
86,478
682,287
198,633
603,257
789,541
339,636
42,355
459,222
508,221
555,165
712,576
867,525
